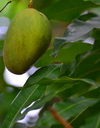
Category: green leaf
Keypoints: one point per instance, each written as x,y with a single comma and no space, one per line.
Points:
46,71
72,107
42,4
78,30
88,65
58,83
95,93
2,81
64,80
92,122
67,11
30,92
3,3
96,35
72,88
38,104
67,86
91,111
6,98
87,16
70,51
13,8
22,100
94,1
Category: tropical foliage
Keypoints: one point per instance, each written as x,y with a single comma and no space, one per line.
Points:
66,86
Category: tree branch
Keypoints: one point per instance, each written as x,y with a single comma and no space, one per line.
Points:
5,6
59,119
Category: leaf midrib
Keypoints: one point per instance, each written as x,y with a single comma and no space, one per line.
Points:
11,123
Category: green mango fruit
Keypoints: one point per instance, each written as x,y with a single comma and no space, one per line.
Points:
27,39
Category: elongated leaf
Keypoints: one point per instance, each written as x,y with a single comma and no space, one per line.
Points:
57,86
23,99
87,16
78,30
51,80
94,93
50,71
66,86
66,80
30,92
89,112
70,51
38,104
72,107
89,66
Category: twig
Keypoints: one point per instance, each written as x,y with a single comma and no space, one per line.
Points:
59,119
5,6
49,105
30,4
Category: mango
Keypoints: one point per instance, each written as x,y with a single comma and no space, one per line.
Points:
27,39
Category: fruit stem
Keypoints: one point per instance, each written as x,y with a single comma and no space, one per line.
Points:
30,4
6,5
